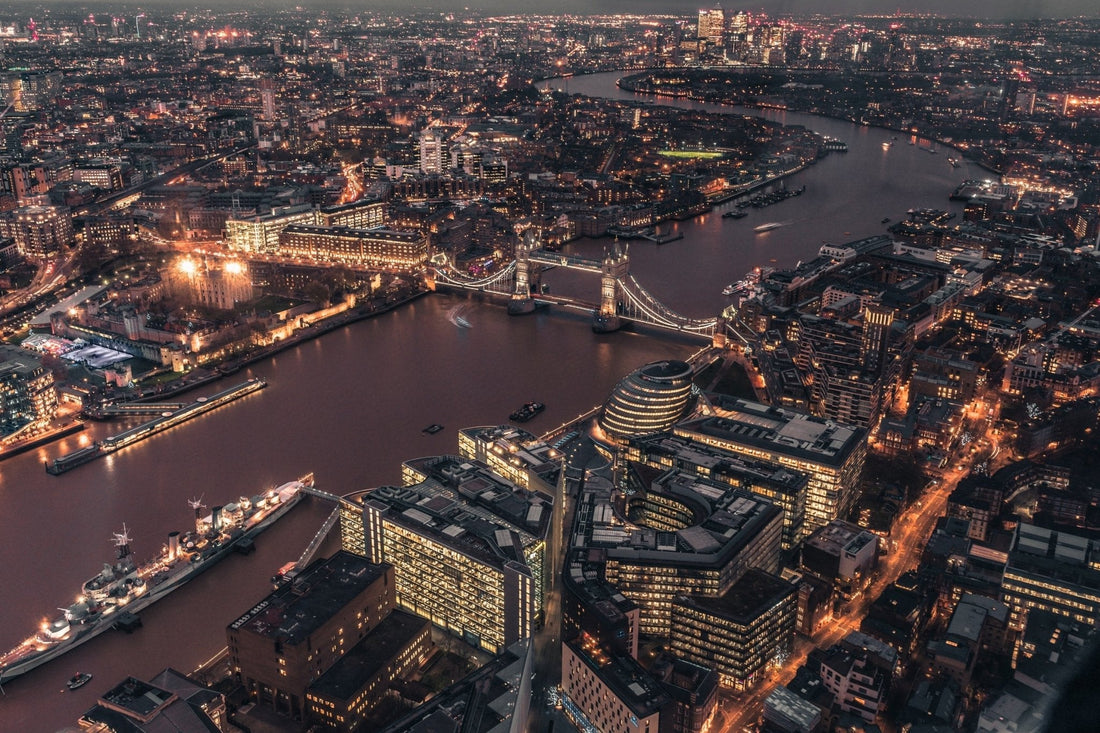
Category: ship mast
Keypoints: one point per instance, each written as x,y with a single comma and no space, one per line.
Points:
122,542
197,505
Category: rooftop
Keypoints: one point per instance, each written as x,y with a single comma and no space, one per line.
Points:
299,608
371,655
753,595
780,431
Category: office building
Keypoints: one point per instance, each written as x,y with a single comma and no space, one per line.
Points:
687,536
831,454
362,214
648,400
1052,571
739,633
468,546
433,153
781,486
612,693
514,454
288,640
711,25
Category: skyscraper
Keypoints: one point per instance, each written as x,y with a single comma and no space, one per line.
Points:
712,25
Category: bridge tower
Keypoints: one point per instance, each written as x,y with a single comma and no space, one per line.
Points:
521,301
616,266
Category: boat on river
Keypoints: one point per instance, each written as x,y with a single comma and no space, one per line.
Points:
527,412
124,587
769,226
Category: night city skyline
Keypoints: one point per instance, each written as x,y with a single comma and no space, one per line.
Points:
668,368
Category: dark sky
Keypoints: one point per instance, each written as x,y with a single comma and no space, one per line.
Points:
957,8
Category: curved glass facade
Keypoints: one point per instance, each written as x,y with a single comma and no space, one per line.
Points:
649,400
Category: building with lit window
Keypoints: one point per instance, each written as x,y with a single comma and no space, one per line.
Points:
858,685
648,400
513,453
781,486
362,214
27,391
288,640
739,633
259,234
383,248
469,547
711,25
40,232
612,693
684,536
1052,571
341,698
831,454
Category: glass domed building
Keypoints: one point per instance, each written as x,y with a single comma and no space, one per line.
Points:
648,400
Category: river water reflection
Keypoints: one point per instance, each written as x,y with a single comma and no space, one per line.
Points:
351,405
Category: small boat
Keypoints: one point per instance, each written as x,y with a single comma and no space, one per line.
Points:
768,227
734,215
432,429
885,220
887,145
79,680
527,412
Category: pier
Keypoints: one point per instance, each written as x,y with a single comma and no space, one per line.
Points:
136,434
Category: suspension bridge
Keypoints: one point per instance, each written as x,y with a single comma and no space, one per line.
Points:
622,298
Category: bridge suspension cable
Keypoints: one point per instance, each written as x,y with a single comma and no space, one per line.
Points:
503,276
660,314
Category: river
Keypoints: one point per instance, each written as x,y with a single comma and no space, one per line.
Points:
351,405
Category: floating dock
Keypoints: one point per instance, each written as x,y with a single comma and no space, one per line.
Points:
110,444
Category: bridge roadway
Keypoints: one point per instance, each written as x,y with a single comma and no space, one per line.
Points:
557,259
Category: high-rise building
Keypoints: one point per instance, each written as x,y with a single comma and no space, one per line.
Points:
831,454
469,547
712,25
433,152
